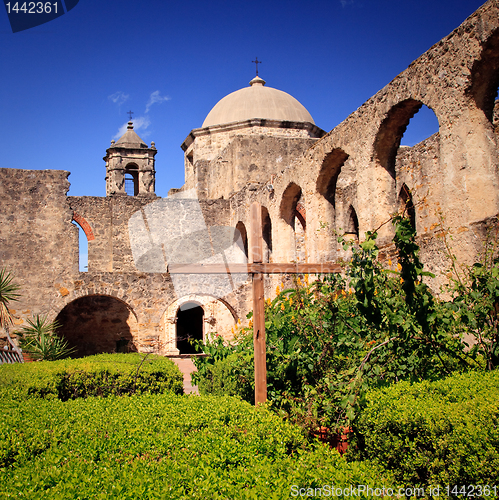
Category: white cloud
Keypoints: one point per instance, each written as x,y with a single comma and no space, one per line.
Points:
139,123
118,97
155,98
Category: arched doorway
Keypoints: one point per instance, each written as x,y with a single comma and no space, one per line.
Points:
190,318
97,323
219,319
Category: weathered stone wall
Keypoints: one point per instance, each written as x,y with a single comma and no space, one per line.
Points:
353,179
38,243
221,160
251,159
360,166
114,302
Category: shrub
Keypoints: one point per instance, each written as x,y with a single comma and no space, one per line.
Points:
162,447
440,433
99,375
329,341
231,376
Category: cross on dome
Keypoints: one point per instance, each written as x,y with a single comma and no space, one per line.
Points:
257,62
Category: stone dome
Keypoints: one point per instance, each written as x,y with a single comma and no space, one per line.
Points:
130,139
257,101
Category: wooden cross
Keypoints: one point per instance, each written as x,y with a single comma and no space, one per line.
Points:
257,62
257,268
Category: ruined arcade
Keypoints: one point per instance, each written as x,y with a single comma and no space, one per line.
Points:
258,144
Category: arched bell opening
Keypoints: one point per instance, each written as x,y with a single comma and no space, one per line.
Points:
132,179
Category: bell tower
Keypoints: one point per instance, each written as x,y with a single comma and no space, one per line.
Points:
130,166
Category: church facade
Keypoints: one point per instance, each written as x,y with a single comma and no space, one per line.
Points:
258,144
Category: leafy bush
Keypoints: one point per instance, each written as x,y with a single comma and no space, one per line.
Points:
328,342
162,447
99,375
232,375
475,292
440,433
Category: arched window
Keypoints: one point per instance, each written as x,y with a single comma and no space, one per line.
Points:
241,231
267,235
82,250
352,226
292,210
394,126
423,125
85,234
326,183
328,175
289,202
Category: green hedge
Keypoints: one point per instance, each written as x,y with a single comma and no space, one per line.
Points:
230,376
162,447
441,433
99,375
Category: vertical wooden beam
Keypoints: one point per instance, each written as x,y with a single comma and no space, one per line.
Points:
258,306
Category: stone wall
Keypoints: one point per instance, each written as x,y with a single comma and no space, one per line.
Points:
351,180
220,160
359,166
38,243
114,305
251,159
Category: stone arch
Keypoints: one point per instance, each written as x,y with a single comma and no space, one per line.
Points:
326,184
328,174
406,205
98,323
82,244
244,236
82,222
485,76
219,317
289,202
390,133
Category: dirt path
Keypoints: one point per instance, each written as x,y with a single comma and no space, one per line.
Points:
186,367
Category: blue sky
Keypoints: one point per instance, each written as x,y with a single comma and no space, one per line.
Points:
66,85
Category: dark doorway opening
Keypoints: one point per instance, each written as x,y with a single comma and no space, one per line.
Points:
95,324
189,327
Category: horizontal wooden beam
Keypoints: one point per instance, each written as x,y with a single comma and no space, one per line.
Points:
264,268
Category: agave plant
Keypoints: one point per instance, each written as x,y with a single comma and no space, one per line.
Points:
39,338
8,293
